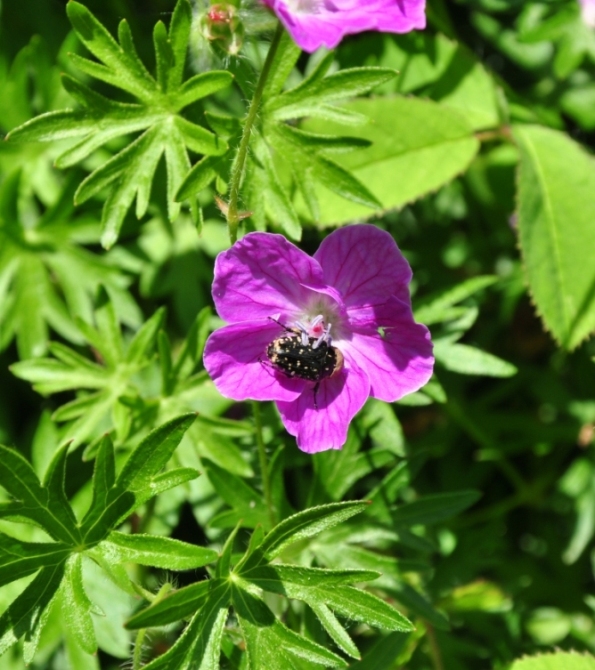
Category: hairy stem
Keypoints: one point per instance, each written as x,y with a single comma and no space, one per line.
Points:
239,164
137,655
264,467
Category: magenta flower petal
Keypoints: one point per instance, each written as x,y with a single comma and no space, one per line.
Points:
294,319
235,359
365,264
262,275
399,361
316,23
339,399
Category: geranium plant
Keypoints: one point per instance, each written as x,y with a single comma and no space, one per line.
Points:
296,299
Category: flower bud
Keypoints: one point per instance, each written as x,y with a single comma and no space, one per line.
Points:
222,23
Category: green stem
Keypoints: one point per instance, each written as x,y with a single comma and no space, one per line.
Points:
262,456
237,171
137,655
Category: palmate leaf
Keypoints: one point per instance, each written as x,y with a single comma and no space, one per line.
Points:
108,381
30,85
156,115
283,158
269,643
47,276
58,564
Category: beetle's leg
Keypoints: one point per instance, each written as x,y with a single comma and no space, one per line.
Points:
272,318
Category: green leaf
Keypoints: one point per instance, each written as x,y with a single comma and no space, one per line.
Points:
383,654
337,471
435,309
142,345
153,453
201,640
25,616
165,132
53,483
76,606
304,99
19,559
175,606
335,630
434,508
306,524
468,360
560,660
269,643
158,552
246,502
330,588
104,477
50,376
417,146
556,221
445,71
19,479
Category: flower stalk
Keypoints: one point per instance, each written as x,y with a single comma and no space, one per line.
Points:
264,466
237,171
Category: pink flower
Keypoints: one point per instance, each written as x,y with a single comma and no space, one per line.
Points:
349,302
316,23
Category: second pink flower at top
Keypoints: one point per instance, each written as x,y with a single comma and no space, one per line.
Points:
316,23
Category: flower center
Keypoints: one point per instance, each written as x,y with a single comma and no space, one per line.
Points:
315,329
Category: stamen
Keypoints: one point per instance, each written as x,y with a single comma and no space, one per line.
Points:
325,337
304,333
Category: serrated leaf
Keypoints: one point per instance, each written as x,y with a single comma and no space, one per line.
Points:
104,477
304,99
269,643
25,616
417,146
156,551
76,606
556,221
50,376
175,606
331,588
201,639
306,524
129,174
19,559
335,630
19,479
153,453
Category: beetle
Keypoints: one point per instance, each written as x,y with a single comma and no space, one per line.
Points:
296,354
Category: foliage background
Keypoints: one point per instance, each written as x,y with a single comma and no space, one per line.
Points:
485,578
